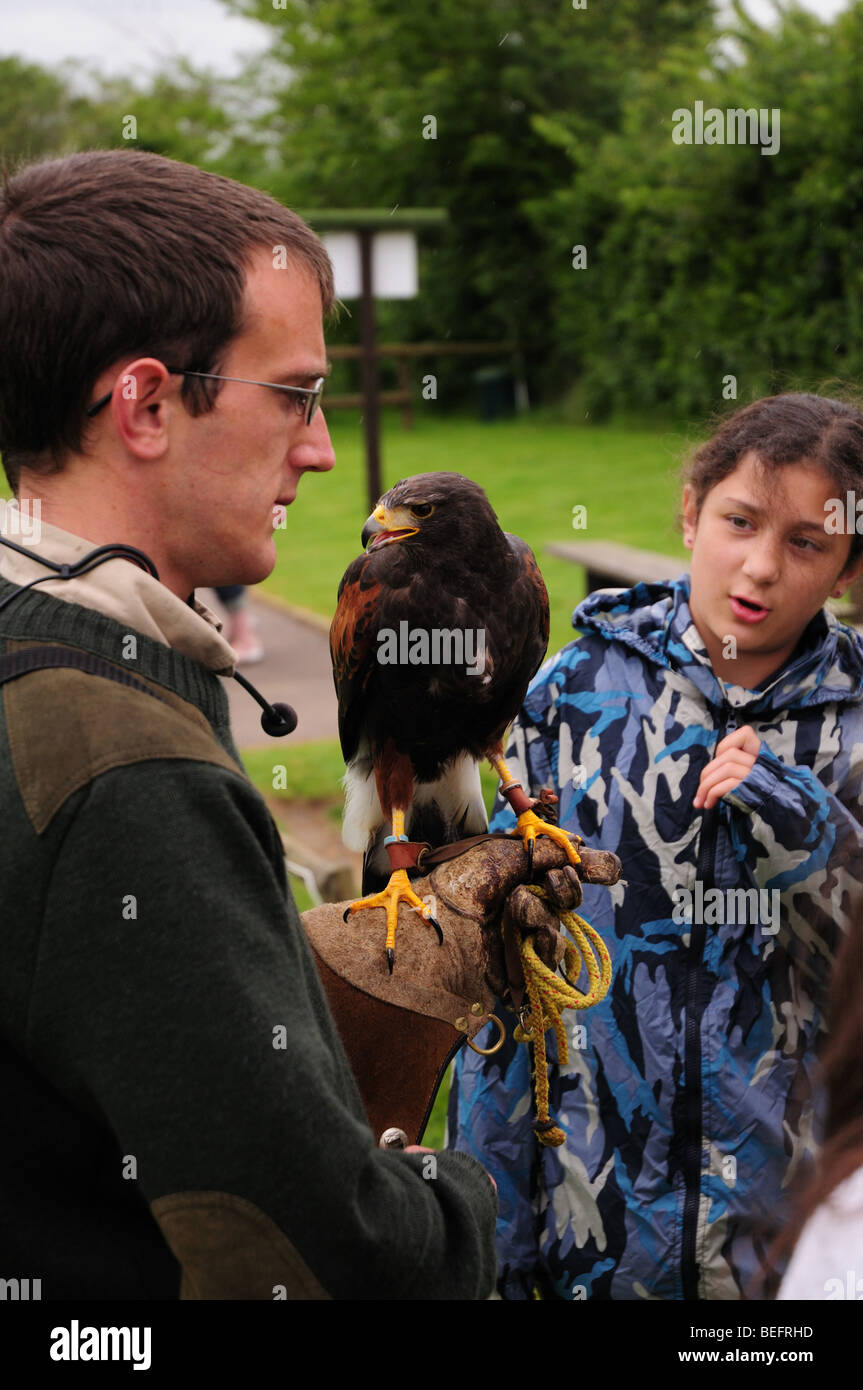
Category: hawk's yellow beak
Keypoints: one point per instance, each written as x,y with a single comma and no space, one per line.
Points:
385,526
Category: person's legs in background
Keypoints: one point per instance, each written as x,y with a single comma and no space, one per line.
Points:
241,630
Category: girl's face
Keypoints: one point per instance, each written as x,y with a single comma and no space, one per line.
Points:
762,564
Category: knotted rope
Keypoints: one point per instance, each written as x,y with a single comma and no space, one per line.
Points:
549,994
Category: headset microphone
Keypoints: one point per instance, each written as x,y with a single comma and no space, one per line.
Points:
277,720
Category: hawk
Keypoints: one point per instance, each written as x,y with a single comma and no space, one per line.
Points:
439,627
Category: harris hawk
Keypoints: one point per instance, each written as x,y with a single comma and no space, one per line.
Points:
438,629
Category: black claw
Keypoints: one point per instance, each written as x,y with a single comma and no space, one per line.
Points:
391,958
436,924
346,914
530,859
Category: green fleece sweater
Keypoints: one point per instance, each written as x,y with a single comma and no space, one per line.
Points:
163,1143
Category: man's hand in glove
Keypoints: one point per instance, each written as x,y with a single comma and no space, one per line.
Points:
399,1030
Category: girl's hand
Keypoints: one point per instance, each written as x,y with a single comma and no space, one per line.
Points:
734,759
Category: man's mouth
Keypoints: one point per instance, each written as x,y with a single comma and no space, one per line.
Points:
748,610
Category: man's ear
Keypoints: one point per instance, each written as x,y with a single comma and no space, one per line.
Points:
690,515
136,408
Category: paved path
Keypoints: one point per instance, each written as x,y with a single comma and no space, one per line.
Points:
295,669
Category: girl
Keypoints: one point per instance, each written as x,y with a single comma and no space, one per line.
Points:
710,731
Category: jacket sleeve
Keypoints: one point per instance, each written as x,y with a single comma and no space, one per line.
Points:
176,1002
491,1104
801,838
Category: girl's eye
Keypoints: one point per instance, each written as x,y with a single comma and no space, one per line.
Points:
741,519
804,542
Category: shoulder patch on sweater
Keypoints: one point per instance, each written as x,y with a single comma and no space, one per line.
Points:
65,727
229,1248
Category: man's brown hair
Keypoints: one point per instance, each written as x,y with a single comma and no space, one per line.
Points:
118,253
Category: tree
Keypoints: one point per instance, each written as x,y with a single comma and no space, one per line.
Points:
472,107
183,114
38,113
718,260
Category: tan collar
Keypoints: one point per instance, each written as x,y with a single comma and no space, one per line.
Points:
123,591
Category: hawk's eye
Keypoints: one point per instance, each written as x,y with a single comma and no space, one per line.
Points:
421,509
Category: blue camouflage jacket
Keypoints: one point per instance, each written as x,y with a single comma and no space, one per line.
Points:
691,1099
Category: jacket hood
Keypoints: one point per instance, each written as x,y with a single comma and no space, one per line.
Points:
122,591
654,619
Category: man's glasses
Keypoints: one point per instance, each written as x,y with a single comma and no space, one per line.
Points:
308,398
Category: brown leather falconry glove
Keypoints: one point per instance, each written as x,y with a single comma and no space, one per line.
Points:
408,1024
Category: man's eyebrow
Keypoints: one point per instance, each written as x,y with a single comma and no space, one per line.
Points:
295,378
797,525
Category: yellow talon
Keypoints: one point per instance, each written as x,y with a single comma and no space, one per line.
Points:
397,890
529,825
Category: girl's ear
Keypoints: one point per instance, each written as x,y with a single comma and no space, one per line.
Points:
853,570
690,518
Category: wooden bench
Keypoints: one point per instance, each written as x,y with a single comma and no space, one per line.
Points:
613,566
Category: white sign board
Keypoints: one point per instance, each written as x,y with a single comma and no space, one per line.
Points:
394,264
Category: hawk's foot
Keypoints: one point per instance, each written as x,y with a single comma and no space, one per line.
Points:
397,890
529,826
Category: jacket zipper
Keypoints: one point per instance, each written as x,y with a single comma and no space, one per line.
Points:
694,1136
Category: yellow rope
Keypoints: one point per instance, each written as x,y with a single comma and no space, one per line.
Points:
549,994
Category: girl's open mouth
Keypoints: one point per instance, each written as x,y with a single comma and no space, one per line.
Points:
747,610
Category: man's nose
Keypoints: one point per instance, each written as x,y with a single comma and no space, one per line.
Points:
314,448
323,443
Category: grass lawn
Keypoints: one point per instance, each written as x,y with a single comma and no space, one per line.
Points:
534,469
436,1126
314,770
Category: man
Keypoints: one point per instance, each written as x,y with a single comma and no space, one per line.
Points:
186,1123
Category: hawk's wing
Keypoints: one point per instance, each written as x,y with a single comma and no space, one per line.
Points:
533,594
353,635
